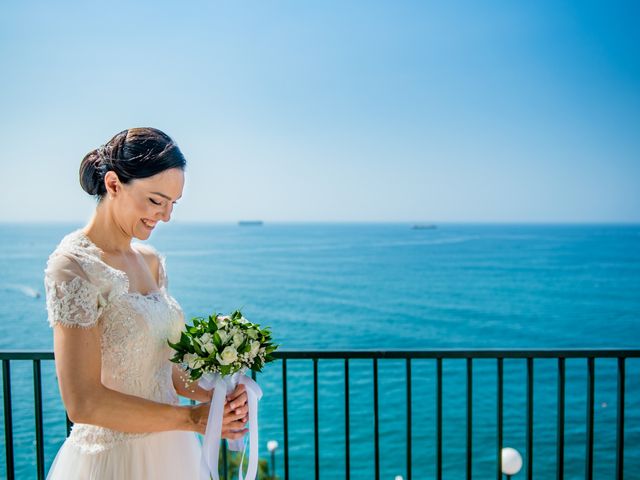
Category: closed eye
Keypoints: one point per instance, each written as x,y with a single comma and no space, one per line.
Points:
154,202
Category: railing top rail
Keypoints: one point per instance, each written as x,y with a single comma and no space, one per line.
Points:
402,354
460,353
26,355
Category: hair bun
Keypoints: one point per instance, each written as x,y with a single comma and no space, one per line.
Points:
91,172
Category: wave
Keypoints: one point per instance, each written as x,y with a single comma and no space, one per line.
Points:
24,289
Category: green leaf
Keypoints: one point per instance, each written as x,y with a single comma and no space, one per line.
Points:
197,348
185,340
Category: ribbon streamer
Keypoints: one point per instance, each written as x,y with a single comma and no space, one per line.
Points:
213,434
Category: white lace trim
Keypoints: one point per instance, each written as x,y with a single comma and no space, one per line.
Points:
92,439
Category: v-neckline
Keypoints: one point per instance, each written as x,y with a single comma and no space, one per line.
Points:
117,270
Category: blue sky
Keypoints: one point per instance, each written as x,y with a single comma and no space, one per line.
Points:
332,111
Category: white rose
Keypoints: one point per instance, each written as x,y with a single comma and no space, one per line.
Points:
224,336
192,361
238,338
222,320
209,347
228,356
206,342
255,346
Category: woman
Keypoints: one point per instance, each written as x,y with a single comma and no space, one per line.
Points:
108,304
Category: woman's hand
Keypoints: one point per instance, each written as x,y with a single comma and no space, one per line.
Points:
234,418
236,414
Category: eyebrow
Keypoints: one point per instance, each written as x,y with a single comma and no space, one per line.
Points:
165,196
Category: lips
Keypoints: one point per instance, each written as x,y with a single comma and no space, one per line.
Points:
148,223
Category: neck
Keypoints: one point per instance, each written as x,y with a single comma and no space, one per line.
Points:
104,231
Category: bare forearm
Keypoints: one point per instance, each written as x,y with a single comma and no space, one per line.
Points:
128,413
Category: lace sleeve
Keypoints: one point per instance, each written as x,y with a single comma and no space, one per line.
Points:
72,300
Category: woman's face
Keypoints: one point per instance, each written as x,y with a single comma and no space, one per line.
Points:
140,204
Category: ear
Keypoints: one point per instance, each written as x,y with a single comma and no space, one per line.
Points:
112,183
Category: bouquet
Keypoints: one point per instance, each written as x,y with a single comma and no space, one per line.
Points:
217,351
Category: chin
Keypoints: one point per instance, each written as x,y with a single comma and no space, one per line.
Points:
142,233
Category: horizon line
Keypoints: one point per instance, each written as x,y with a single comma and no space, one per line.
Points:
370,222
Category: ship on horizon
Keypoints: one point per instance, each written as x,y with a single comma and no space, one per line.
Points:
245,223
424,226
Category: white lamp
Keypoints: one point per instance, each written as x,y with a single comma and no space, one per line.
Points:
398,477
511,461
272,445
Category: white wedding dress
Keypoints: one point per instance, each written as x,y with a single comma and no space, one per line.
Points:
83,291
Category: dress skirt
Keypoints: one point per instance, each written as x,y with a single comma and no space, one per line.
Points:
170,455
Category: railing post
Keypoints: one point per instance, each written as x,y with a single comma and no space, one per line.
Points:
560,426
376,420
409,433
590,402
315,419
8,419
439,418
37,398
285,415
529,418
499,420
225,463
347,420
469,417
620,421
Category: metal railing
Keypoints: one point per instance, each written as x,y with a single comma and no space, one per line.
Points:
439,356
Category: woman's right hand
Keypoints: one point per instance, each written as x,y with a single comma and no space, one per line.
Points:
233,420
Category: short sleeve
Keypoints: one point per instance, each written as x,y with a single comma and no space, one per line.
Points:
72,300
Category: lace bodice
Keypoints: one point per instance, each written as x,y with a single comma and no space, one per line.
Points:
83,291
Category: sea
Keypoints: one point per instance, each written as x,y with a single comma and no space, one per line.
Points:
383,286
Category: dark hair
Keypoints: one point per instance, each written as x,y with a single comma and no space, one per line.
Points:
133,153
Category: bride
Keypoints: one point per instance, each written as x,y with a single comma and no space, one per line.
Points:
111,313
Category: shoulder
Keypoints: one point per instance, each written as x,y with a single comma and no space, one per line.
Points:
74,252
149,253
65,263
153,258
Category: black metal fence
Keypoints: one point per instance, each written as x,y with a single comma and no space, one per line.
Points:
439,356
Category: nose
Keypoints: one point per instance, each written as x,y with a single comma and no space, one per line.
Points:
166,213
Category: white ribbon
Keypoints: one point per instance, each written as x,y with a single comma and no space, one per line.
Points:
223,385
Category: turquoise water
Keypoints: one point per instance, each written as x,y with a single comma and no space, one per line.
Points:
384,286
